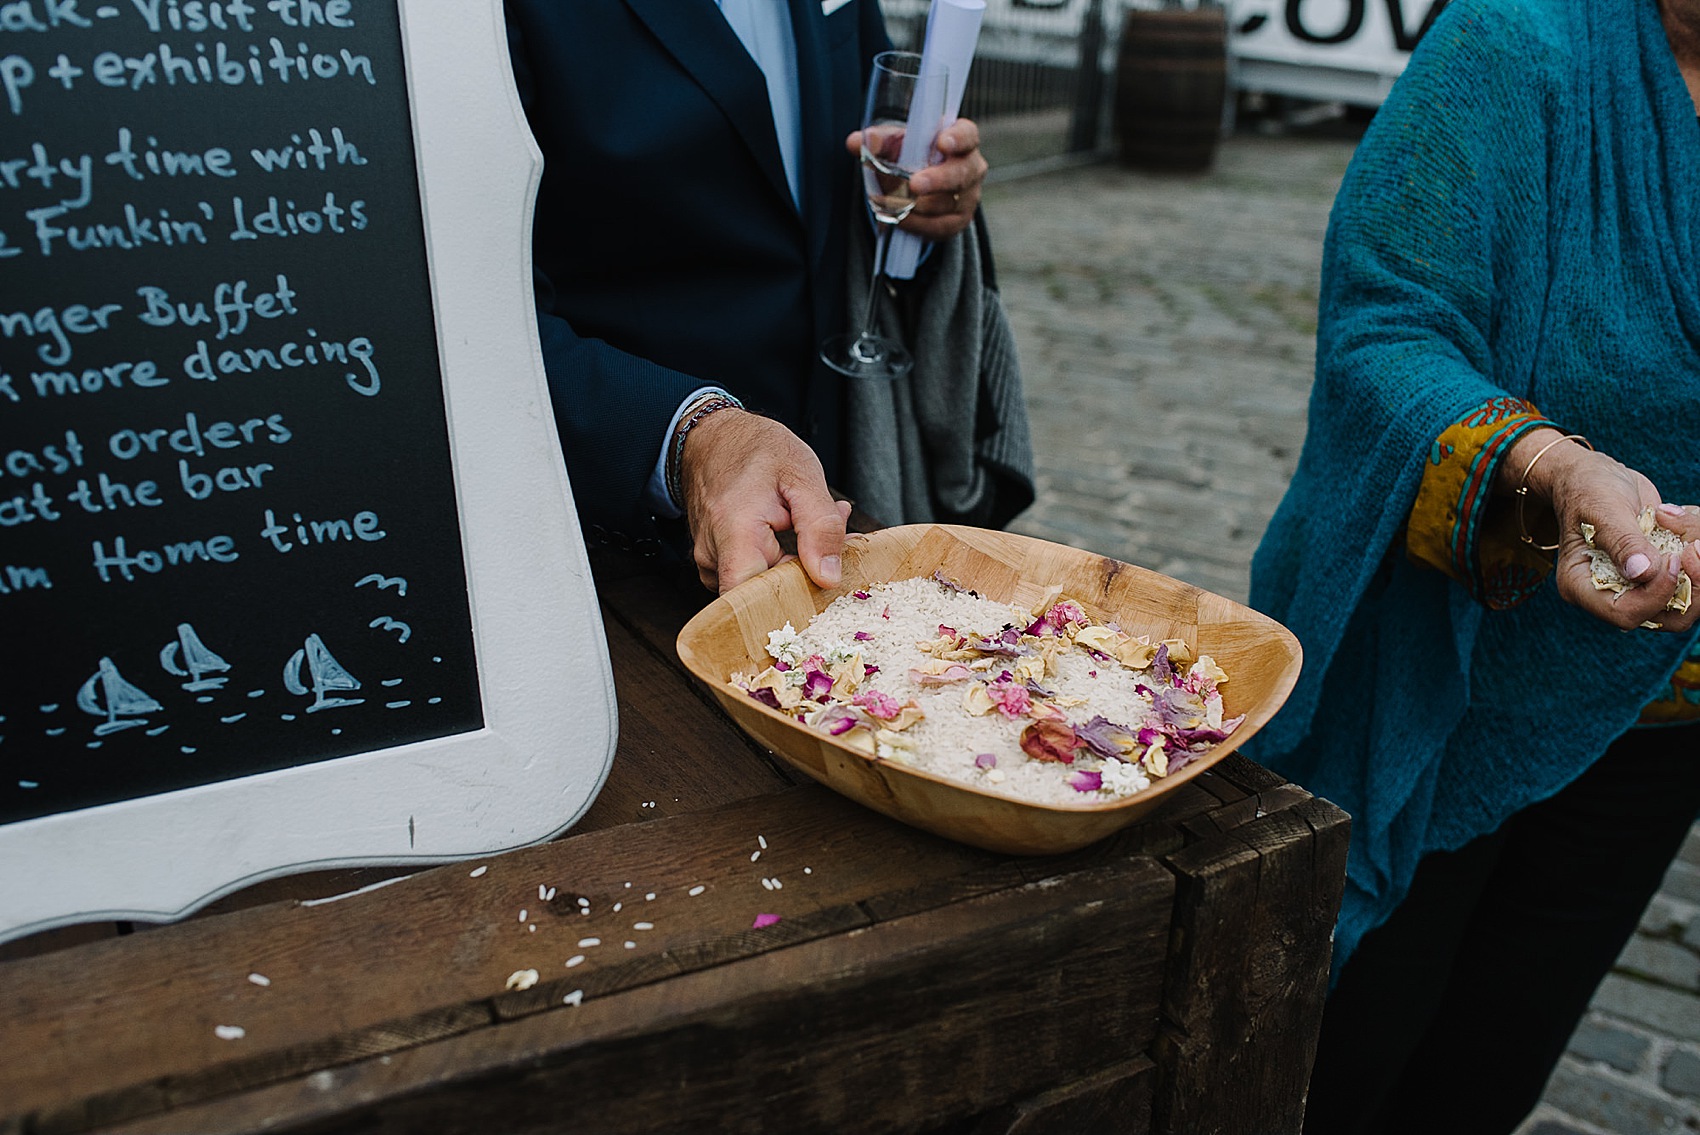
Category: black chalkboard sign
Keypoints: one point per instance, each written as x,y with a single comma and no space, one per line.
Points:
228,525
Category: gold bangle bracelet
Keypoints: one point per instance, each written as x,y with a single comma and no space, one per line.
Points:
1523,491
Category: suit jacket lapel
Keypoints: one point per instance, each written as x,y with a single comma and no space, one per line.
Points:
823,143
698,36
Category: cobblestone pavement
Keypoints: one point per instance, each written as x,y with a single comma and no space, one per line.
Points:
1166,332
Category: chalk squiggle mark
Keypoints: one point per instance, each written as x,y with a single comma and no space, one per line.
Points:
385,623
384,581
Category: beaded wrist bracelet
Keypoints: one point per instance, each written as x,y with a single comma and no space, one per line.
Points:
699,409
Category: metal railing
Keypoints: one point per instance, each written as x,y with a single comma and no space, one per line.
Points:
1042,78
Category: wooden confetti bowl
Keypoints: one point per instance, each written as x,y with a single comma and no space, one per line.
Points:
729,636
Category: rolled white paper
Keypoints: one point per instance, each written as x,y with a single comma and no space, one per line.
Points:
953,28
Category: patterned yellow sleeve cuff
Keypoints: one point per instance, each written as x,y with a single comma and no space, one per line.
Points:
1680,702
1453,530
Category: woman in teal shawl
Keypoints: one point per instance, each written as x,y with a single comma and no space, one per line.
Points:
1514,257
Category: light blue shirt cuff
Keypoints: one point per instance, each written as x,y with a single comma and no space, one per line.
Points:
660,501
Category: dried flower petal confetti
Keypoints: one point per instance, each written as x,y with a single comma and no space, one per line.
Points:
1082,781
1049,741
883,706
764,920
1046,702
522,979
1606,577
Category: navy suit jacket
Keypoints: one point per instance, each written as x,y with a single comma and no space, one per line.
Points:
668,252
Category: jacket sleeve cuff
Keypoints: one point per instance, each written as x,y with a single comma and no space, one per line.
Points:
1454,527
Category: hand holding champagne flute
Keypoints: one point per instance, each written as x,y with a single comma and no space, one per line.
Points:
904,109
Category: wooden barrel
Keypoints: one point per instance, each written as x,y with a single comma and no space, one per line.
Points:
1171,80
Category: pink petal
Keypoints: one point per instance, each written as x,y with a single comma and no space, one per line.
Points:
882,706
953,673
764,920
986,760
1082,781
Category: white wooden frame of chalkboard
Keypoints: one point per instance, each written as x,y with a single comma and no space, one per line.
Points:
544,677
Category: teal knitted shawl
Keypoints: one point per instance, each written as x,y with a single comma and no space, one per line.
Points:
1522,217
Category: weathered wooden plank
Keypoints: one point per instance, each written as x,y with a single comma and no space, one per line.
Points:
1246,774
898,1026
1224,790
1234,813
1248,972
1157,833
50,940
676,752
1115,1101
385,963
995,874
652,600
239,1074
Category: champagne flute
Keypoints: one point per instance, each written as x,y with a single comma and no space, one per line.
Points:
904,110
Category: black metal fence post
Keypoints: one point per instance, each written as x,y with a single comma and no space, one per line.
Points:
1085,123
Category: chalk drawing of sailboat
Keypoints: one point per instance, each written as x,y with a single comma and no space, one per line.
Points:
106,694
323,671
190,658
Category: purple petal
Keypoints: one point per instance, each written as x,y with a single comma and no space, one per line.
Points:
999,647
949,584
862,594
817,685
781,665
986,760
766,696
836,720
863,636
764,920
1161,668
1104,736
1204,735
1082,781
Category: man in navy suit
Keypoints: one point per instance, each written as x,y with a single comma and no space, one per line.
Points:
689,242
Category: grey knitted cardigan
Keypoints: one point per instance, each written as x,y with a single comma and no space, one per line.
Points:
949,442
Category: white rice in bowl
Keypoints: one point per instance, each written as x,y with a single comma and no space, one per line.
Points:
1048,705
